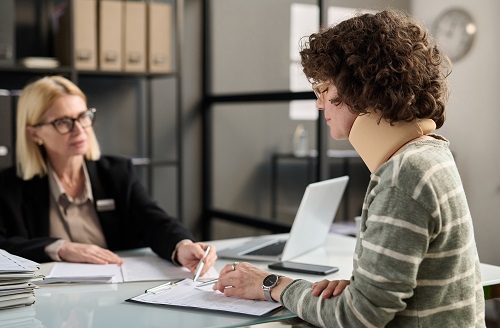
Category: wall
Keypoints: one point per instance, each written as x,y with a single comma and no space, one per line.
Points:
191,79
472,118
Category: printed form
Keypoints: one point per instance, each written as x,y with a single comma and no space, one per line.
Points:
185,294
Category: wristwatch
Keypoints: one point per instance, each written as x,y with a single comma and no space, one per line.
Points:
268,284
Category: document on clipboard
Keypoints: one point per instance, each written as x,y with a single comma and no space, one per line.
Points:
185,293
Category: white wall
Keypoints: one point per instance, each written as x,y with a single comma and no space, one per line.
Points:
473,118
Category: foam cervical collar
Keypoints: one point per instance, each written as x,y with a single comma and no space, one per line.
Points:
377,141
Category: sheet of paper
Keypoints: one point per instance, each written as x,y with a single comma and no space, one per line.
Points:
147,268
186,294
13,263
138,268
26,263
82,272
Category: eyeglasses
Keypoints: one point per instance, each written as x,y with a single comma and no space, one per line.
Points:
66,124
319,88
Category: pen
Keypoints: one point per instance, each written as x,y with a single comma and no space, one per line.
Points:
209,282
201,264
158,288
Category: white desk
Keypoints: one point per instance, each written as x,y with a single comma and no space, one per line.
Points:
338,251
103,305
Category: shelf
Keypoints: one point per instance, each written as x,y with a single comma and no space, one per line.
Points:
127,74
22,69
68,70
139,111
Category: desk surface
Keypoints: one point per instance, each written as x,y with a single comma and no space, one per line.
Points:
103,305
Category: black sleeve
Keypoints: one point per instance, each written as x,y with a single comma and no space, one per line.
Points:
142,222
24,216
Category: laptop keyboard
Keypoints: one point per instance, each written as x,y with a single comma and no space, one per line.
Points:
271,250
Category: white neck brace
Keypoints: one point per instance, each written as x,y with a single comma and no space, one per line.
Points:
376,142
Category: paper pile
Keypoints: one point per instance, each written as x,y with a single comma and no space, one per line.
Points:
17,275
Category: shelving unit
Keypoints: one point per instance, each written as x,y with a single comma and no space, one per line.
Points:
139,114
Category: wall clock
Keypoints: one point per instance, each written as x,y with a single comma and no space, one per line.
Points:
454,31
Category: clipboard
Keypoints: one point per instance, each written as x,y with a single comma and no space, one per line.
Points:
185,293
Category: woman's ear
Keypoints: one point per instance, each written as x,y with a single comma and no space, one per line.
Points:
32,133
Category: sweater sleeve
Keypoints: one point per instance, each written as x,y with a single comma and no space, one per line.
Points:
376,293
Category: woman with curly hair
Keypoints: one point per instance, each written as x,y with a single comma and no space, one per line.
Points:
381,83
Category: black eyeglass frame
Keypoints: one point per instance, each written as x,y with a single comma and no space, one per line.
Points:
91,113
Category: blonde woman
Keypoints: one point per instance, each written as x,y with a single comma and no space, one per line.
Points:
65,202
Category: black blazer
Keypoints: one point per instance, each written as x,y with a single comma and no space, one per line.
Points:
136,221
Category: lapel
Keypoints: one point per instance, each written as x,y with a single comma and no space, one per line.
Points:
97,188
107,218
36,207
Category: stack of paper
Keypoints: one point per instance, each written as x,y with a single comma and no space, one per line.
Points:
63,272
17,275
138,268
39,62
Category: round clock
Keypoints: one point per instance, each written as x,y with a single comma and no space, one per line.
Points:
454,31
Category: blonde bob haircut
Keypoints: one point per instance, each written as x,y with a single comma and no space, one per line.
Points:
33,102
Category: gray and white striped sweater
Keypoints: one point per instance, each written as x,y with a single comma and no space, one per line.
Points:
416,262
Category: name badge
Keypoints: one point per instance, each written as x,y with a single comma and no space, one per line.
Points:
104,205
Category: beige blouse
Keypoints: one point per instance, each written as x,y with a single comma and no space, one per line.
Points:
71,219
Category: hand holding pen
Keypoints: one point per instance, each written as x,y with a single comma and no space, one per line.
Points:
191,254
201,264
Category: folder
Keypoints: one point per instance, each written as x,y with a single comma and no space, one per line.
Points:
7,33
159,37
134,52
6,130
110,35
85,34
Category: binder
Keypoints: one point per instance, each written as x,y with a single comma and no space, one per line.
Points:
85,34
134,52
110,35
6,130
159,37
7,33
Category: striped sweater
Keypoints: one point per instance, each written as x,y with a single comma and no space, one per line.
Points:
415,263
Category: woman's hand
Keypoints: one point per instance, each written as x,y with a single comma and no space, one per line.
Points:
87,253
189,255
245,281
329,288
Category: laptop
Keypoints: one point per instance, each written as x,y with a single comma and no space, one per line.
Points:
309,230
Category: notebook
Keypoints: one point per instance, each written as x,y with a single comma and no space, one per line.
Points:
309,230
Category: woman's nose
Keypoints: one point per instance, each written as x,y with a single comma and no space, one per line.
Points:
319,104
78,127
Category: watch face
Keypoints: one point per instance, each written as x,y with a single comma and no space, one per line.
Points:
271,280
454,31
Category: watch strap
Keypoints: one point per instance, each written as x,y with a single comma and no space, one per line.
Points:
267,290
267,295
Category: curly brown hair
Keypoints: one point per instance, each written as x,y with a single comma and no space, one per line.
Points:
383,62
